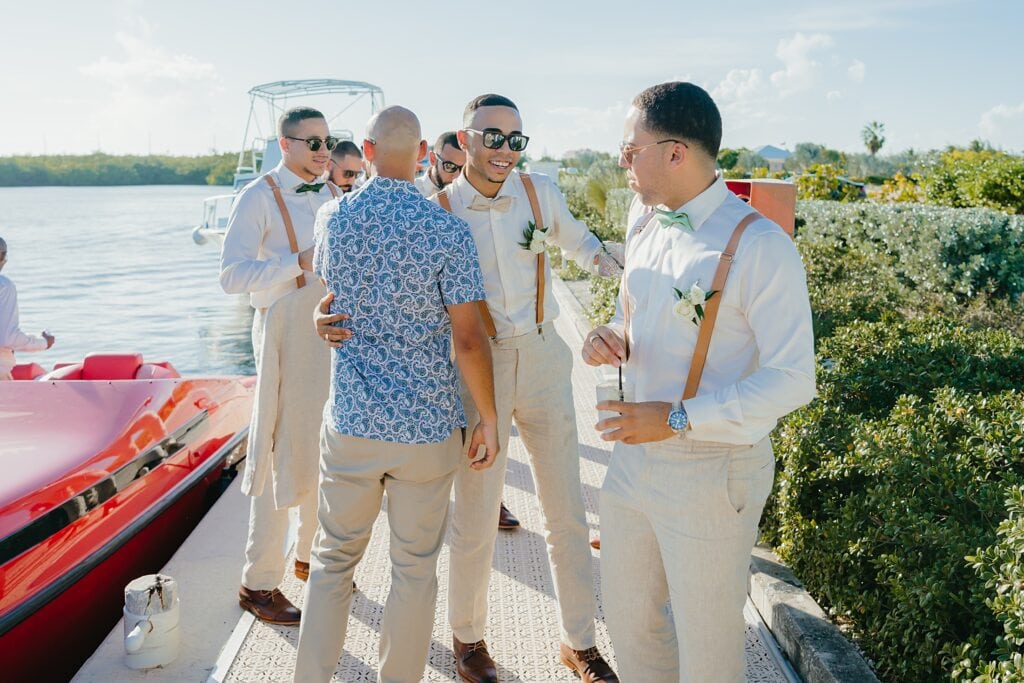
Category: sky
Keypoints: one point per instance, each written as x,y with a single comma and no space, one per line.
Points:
138,76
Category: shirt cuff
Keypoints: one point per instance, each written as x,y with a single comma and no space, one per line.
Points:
700,412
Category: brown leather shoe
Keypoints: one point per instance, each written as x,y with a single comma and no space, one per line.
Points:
473,663
595,543
506,520
269,606
588,664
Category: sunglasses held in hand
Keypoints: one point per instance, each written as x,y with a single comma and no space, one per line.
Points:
314,143
494,139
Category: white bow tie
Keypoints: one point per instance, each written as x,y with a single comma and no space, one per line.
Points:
502,204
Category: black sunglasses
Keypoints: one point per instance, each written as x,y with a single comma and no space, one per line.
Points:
448,166
350,174
494,139
314,143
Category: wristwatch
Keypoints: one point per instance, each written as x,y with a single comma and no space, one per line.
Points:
677,418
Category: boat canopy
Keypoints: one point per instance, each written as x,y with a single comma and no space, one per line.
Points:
314,86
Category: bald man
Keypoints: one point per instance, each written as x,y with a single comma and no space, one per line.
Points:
406,275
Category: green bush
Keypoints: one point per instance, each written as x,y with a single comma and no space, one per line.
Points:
963,253
982,177
893,476
822,181
1002,567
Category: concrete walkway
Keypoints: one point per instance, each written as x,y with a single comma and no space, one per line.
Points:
220,643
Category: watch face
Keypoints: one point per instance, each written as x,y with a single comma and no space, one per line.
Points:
677,419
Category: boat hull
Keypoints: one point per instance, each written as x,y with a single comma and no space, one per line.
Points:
121,513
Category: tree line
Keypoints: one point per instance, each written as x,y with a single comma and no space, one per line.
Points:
106,169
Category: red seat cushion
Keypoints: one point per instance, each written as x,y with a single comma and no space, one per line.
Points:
111,365
27,371
156,371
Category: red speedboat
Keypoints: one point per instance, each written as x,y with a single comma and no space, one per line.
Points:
108,465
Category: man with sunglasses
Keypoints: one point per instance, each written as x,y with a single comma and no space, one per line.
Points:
446,162
533,386
345,166
692,464
267,253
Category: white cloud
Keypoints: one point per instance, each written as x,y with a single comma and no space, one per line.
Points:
145,62
567,128
739,84
856,71
1003,126
801,70
833,95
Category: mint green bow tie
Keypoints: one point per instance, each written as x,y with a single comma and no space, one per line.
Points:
670,218
309,187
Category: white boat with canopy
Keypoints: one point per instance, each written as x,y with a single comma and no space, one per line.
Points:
260,149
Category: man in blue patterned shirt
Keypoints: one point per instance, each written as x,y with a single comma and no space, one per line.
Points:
408,275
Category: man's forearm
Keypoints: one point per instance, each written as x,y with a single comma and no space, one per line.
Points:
474,359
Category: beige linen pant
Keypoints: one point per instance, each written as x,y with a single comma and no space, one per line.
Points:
265,551
532,383
678,521
354,475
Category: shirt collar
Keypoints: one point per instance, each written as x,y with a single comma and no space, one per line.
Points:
381,184
464,190
700,208
288,180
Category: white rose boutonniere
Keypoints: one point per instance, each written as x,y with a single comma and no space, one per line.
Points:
534,240
690,304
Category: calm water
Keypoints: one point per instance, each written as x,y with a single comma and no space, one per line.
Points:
114,269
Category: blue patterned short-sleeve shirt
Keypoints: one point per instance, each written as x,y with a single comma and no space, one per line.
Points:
394,260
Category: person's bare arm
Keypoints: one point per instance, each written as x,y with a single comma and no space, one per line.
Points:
473,354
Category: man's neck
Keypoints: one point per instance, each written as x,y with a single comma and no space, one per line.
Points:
299,171
480,182
686,191
394,172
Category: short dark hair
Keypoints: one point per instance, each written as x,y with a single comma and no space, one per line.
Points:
682,110
346,148
446,138
488,100
286,124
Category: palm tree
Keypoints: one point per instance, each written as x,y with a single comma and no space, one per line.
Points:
873,136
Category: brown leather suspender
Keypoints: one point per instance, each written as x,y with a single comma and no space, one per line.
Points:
538,220
707,324
293,244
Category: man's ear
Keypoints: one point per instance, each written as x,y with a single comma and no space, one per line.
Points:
423,151
367,151
433,159
284,143
462,137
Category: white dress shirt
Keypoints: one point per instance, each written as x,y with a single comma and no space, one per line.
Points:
256,257
510,271
760,365
425,185
11,337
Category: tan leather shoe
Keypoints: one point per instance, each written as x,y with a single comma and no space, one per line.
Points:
473,663
595,543
588,664
302,572
506,520
269,606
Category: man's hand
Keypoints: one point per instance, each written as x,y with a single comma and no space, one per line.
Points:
485,434
324,321
610,259
306,259
603,346
49,338
639,423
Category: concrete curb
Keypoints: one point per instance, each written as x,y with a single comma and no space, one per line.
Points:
815,647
